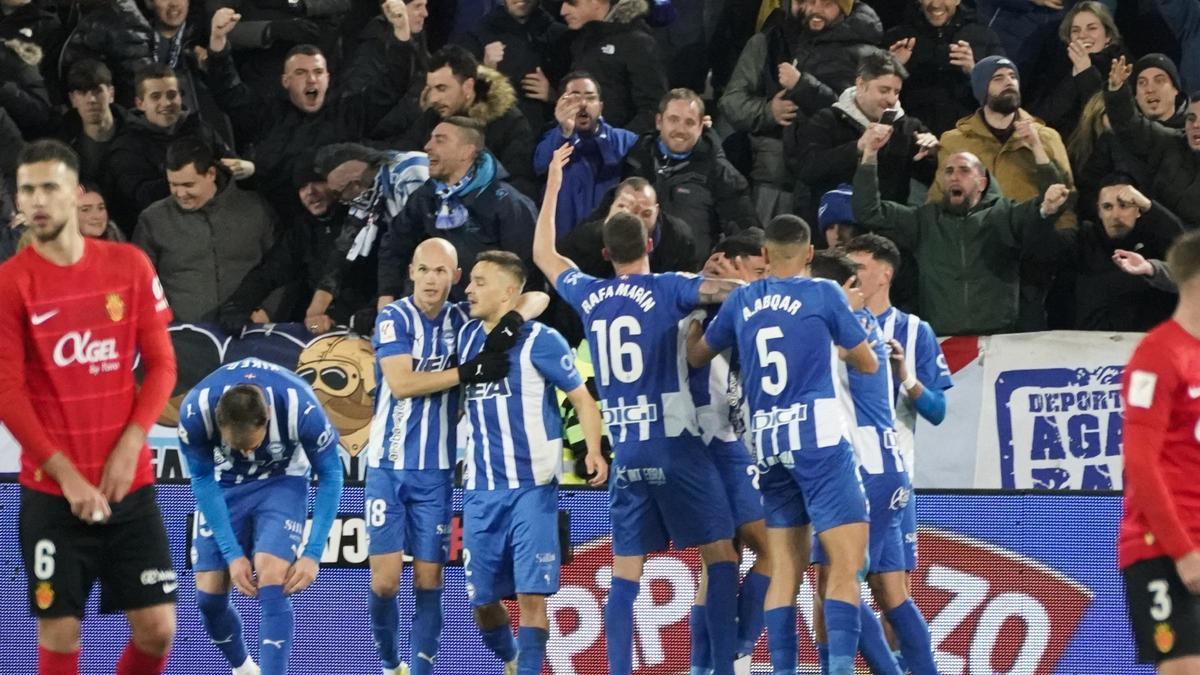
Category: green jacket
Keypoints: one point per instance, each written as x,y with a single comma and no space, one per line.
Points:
969,278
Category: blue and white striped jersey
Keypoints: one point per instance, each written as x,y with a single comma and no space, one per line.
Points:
870,406
637,328
786,331
924,358
717,393
514,432
415,434
297,428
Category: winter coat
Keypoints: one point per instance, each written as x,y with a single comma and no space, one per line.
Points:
1023,27
92,163
705,190
202,256
1010,164
135,168
1102,296
527,47
592,172
1183,16
1175,180
827,62
499,217
22,90
937,92
622,55
276,135
39,26
506,131
969,273
1061,98
824,153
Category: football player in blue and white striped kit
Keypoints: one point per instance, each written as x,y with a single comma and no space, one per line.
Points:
250,433
870,406
410,451
665,487
720,408
920,373
788,329
514,448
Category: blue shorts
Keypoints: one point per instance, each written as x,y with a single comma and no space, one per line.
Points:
888,494
510,543
739,474
663,491
908,527
267,517
409,511
820,486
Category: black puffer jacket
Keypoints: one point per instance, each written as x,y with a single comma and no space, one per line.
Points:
22,90
622,55
937,92
115,34
31,22
527,47
705,190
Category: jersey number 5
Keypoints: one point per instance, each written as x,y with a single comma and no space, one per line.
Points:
771,386
614,351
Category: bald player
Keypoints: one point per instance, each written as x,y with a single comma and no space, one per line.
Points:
410,454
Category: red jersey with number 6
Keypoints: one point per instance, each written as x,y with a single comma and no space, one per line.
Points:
1162,447
71,335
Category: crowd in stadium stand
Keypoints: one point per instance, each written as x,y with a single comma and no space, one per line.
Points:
279,160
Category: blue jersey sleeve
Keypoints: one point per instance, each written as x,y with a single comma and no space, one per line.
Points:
197,451
574,286
720,334
685,289
320,441
932,369
847,330
393,333
554,360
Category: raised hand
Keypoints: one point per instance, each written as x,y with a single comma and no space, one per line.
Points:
561,156
789,75
1080,59
396,13
1054,199
536,85
493,54
1118,73
223,22
1132,262
874,138
963,56
927,144
903,49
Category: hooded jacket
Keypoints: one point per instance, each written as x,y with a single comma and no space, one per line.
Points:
1010,164
136,174
22,91
705,190
506,131
827,61
498,217
1176,167
969,282
202,256
937,92
527,47
622,54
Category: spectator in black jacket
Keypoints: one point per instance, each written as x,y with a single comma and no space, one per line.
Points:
466,201
516,38
694,181
1103,296
23,92
136,159
1157,90
284,129
614,44
26,20
457,86
94,118
824,152
116,33
940,45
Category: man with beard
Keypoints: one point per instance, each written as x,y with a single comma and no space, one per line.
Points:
967,244
1023,156
1106,298
785,75
1174,154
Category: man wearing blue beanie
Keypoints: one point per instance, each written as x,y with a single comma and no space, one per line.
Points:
836,218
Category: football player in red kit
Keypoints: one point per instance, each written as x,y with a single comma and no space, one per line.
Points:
74,314
1159,543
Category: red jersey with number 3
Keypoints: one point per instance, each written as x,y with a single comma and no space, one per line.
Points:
77,327
1162,447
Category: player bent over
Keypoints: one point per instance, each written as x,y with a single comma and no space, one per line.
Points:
513,462
250,433
410,460
1158,547
74,313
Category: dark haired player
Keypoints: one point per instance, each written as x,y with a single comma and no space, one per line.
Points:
74,314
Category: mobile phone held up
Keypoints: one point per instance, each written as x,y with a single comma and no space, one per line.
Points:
889,116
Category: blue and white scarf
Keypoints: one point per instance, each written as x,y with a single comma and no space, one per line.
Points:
451,213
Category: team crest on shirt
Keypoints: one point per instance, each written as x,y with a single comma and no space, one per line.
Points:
1164,637
44,595
115,306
